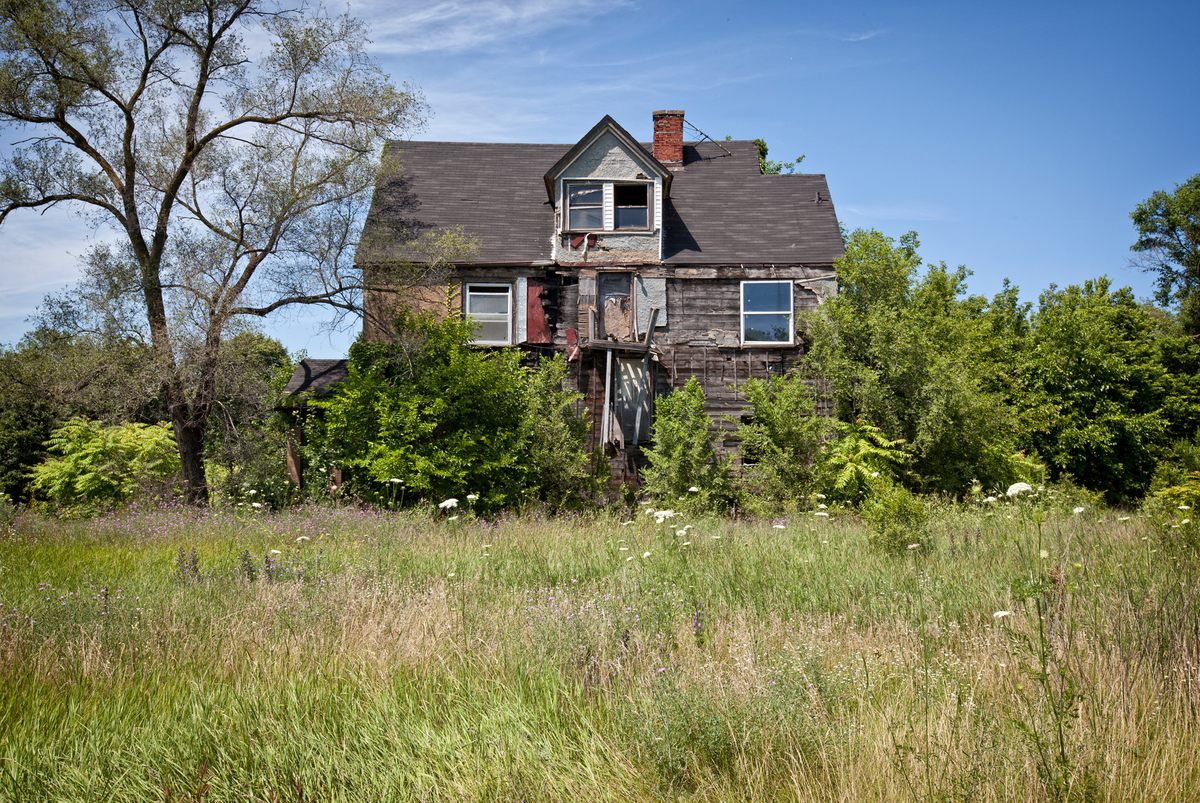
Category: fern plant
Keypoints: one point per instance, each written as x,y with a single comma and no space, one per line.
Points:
860,460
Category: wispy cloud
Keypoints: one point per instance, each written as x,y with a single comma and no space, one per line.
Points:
859,36
459,25
895,212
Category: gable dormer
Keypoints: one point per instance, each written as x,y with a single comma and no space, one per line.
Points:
607,192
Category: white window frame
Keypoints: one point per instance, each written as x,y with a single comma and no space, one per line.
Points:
790,312
608,206
468,288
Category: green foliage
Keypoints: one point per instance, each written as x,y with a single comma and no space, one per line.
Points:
246,446
1168,226
772,168
682,456
781,439
449,419
555,436
94,466
896,518
860,461
1093,388
908,352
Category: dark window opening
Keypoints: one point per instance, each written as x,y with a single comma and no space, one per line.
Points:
631,204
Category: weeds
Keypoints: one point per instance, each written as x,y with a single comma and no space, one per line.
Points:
582,657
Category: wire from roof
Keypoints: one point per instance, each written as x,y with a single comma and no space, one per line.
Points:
704,136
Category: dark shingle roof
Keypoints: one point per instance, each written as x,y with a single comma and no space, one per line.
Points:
721,209
317,376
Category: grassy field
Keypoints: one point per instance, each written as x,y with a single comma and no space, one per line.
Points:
344,655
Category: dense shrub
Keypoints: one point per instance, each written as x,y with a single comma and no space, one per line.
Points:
683,466
93,466
432,417
780,441
896,518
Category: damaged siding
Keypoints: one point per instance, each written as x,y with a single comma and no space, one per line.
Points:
606,160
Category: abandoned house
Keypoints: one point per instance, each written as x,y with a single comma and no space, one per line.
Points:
646,264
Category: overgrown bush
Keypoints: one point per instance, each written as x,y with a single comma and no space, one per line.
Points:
93,466
897,519
780,441
683,466
432,417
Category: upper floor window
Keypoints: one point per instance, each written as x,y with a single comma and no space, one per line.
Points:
489,306
585,205
767,313
607,206
632,206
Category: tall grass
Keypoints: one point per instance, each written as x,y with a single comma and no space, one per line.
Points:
322,654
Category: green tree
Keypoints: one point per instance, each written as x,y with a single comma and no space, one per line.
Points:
682,457
1094,388
230,143
906,350
1168,226
781,439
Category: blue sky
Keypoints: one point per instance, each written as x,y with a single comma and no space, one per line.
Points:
1015,138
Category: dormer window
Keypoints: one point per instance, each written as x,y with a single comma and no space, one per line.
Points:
632,205
585,205
607,205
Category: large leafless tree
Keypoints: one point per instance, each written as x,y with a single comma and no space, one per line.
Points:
231,143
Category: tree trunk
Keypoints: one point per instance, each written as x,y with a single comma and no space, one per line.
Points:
189,437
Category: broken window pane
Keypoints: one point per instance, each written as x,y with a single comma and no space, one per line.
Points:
632,206
587,218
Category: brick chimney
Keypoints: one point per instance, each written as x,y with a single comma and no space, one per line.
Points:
668,136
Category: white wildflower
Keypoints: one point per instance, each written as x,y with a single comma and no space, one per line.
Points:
874,474
629,558
452,518
1018,488
686,543
820,496
681,533
1043,554
822,514
256,505
447,504
1077,510
990,499
646,554
623,549
302,539
693,490
472,497
626,523
1185,521
1001,614
450,575
1181,507
276,552
1123,518
778,527
396,481
914,546
253,492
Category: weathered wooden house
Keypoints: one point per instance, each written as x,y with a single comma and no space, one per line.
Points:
646,264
